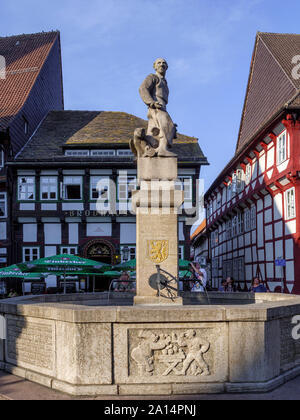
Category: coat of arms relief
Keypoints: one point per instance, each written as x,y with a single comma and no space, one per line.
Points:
157,250
175,353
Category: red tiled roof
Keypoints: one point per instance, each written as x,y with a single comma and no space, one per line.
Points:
199,229
271,85
24,56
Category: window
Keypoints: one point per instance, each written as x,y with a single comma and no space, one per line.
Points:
77,153
3,205
48,188
124,153
228,229
281,148
71,250
229,191
238,272
72,188
31,253
103,152
227,268
240,223
234,185
214,237
181,252
26,188
247,220
99,187
239,180
131,253
253,217
184,183
26,126
234,226
248,173
126,184
290,204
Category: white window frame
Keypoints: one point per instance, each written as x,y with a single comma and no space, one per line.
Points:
66,182
3,198
122,153
282,147
248,173
77,153
69,249
185,184
247,220
31,249
48,185
102,152
25,188
181,252
132,252
239,180
229,191
126,183
290,204
253,217
104,180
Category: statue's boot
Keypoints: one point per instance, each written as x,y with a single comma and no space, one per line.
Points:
162,152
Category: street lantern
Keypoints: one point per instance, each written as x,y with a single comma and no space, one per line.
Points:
125,253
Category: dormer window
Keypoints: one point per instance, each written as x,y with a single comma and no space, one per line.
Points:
26,126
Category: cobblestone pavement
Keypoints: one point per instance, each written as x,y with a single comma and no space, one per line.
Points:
15,388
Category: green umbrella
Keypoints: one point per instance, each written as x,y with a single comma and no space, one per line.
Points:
13,271
184,264
112,273
64,264
185,274
127,265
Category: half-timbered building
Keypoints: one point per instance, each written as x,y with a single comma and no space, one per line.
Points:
72,187
30,86
253,206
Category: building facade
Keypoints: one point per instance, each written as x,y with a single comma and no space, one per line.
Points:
253,207
30,86
72,186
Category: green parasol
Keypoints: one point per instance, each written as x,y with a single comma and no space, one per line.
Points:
127,265
185,274
112,273
184,264
13,271
64,264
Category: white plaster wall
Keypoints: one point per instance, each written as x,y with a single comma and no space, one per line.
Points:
73,233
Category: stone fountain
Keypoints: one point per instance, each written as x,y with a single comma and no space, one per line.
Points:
157,342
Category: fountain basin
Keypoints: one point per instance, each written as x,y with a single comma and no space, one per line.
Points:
83,344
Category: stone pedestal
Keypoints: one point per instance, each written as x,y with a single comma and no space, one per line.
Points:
156,204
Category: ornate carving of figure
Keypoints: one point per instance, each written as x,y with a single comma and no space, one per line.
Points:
161,130
196,347
143,353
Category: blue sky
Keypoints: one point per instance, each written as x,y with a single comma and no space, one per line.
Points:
108,47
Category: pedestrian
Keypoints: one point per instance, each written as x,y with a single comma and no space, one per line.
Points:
223,286
124,282
257,286
199,279
230,286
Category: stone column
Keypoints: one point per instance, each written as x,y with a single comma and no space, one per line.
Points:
156,204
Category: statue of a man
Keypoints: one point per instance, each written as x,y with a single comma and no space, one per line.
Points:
154,92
